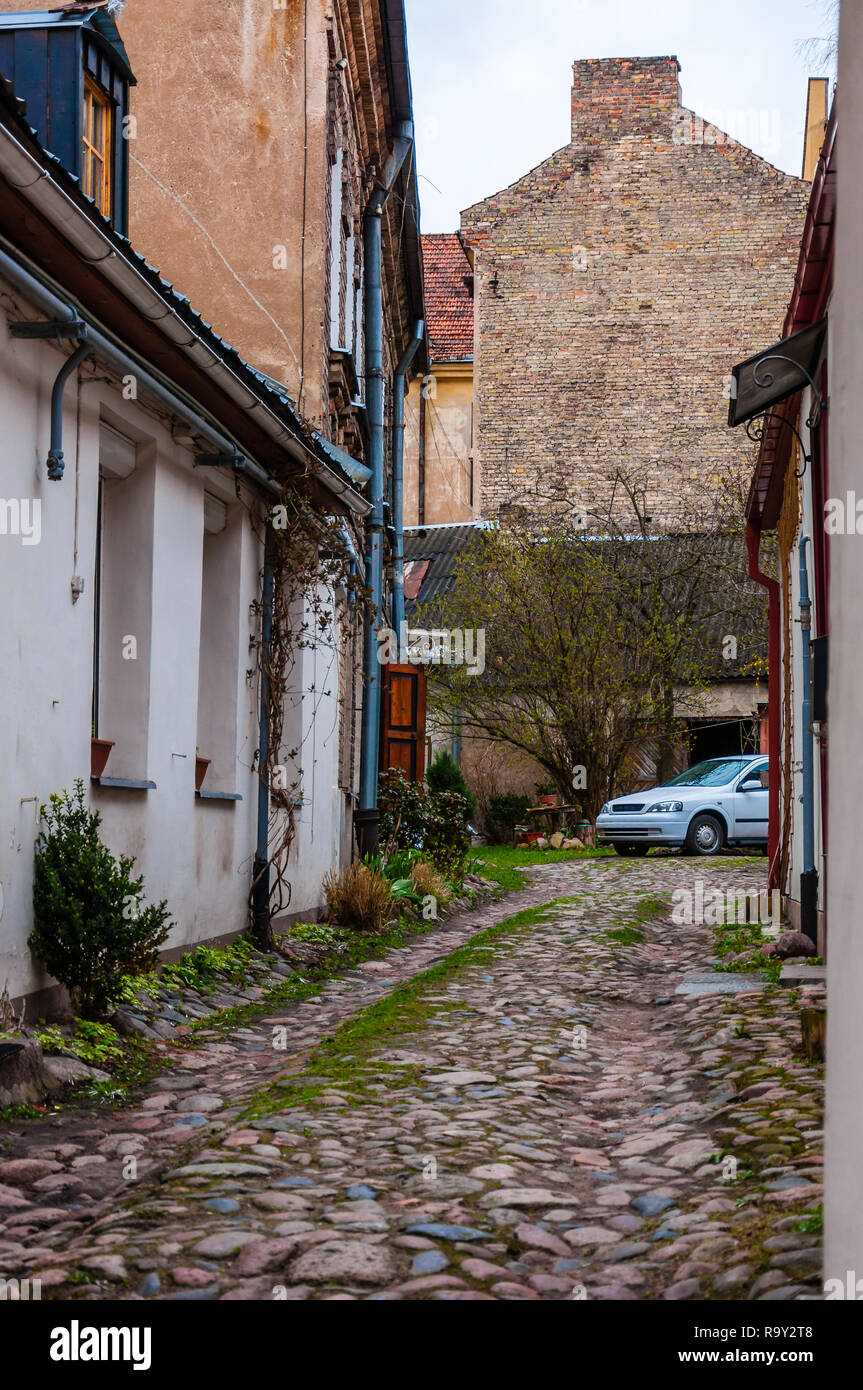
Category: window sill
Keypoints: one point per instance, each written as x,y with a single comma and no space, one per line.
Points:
218,796
127,783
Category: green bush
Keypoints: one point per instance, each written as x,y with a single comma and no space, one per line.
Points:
445,775
90,927
507,811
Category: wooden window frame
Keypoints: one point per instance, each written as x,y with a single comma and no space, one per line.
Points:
95,96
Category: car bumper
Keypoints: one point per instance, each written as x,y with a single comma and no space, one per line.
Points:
656,830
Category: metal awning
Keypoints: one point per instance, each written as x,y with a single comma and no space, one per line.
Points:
353,468
776,373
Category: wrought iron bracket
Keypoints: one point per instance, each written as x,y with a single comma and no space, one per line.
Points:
757,425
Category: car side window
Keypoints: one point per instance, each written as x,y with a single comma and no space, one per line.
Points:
760,770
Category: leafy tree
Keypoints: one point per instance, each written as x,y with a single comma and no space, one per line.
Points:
592,623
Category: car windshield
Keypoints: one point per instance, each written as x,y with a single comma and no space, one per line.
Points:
715,772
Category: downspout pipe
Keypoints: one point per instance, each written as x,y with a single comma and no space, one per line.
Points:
398,474
55,462
809,876
261,869
367,817
753,545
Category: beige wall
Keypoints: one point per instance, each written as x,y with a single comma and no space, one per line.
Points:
218,180
844,1135
448,447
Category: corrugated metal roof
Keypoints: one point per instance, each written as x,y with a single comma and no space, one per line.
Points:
438,547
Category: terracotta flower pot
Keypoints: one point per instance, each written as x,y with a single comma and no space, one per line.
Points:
201,765
551,799
100,751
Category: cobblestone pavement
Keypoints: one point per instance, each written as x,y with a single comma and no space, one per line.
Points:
542,1116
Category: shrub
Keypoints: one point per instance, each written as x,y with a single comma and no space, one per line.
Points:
413,816
402,813
90,927
428,881
359,898
507,811
445,775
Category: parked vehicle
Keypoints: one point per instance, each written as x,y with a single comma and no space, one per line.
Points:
716,803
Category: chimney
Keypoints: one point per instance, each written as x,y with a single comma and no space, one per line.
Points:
816,124
621,96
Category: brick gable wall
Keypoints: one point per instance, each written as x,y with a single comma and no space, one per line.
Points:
616,284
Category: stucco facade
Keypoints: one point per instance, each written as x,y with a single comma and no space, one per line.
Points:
844,1130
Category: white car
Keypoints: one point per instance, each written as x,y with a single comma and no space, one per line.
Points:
720,802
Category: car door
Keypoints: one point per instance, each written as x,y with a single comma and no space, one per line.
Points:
751,807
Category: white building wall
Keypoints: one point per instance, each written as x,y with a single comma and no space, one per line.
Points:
844,1125
194,852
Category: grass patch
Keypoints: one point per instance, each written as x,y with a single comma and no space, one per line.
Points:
811,1222
515,856
625,936
736,938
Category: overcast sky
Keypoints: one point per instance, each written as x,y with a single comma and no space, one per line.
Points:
492,79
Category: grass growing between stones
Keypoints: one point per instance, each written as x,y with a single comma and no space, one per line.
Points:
346,1058
743,942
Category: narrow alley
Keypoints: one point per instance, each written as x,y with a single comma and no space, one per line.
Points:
544,1098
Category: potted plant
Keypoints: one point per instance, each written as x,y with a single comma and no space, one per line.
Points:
201,765
548,796
100,750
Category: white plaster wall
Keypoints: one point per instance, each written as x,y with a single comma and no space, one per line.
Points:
195,853
322,832
844,1132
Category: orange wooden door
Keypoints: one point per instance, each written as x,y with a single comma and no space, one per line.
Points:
403,720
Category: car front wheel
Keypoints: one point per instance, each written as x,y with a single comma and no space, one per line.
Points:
704,836
631,851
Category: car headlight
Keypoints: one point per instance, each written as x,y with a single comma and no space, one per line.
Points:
606,808
664,806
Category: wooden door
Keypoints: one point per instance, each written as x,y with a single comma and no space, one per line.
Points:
403,720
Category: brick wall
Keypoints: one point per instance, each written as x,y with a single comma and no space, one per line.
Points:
616,284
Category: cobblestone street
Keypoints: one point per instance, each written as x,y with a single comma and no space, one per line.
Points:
541,1115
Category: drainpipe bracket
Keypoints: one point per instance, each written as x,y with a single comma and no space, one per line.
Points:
64,328
235,461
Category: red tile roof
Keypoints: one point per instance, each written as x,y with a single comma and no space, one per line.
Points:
449,298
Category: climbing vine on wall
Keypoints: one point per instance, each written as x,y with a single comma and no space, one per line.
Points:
314,587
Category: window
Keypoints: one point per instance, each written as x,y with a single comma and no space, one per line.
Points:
96,164
123,602
219,677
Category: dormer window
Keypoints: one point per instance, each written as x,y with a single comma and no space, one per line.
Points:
72,71
96,138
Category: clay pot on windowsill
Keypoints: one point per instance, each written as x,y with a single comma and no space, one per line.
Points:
201,765
100,751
